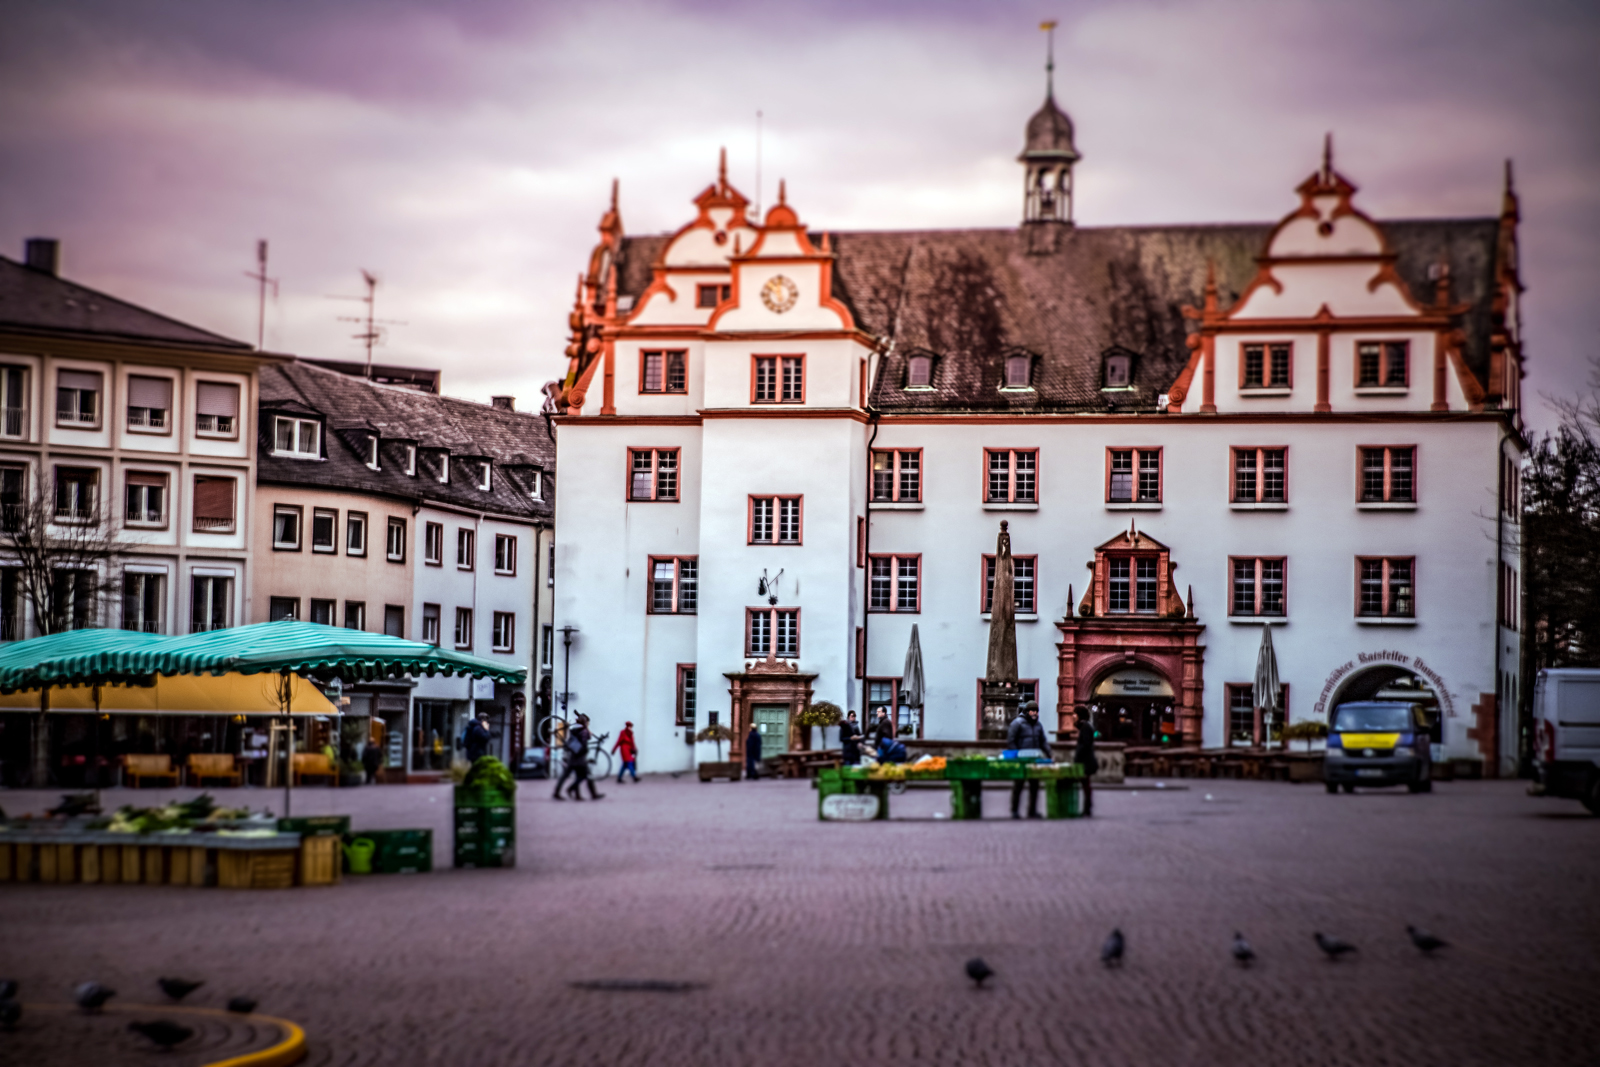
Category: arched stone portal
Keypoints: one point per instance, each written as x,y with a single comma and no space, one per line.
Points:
1387,681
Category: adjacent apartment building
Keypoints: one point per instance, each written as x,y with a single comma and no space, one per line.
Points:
786,449
391,509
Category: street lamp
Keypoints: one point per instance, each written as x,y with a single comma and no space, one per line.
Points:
566,664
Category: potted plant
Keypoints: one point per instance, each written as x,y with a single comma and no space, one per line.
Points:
822,714
1308,731
718,769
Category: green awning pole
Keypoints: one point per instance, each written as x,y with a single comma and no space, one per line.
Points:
284,693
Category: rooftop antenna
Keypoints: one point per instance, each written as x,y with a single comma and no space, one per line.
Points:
372,332
1049,27
260,276
1327,156
758,166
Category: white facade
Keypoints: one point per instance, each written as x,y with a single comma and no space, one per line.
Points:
1441,607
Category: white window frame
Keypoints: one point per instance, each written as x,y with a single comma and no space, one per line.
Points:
505,553
433,544
299,447
395,548
354,521
463,627
466,548
297,513
504,631
332,515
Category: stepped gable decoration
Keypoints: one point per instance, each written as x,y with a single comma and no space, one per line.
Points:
1328,266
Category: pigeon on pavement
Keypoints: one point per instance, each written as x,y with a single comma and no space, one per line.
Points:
1111,951
1242,952
1426,941
241,1005
10,1013
92,996
1332,946
977,970
178,988
163,1032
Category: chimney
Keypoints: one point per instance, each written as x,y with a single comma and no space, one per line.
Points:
42,254
504,403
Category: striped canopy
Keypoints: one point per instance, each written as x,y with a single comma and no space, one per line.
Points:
87,657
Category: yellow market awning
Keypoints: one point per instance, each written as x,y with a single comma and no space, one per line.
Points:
183,694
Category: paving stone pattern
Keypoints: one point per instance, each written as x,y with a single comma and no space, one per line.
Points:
808,943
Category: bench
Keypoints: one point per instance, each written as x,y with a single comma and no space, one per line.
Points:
314,765
136,768
804,764
213,765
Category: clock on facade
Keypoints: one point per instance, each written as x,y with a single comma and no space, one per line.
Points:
779,294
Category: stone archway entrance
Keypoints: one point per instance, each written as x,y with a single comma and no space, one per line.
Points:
1134,705
769,694
1387,681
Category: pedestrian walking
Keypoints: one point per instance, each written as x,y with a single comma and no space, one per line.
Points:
627,752
576,751
752,753
850,740
371,760
477,739
1083,756
1026,731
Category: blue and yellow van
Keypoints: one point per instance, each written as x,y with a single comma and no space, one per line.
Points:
1377,743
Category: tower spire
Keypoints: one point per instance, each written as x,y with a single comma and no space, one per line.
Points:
1049,27
1327,156
722,171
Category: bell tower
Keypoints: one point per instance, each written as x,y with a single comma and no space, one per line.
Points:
1047,161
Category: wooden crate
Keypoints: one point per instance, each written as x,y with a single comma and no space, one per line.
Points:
132,872
321,860
26,856
89,864
155,865
6,861
256,869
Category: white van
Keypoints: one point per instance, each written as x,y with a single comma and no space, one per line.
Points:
1566,735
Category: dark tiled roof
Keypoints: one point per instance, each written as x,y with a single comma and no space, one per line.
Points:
34,301
972,297
352,407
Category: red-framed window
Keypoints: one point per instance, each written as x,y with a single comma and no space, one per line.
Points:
1388,474
653,474
663,371
1386,587
1132,584
1133,475
776,520
886,694
1242,714
674,585
1012,476
1266,366
1024,584
897,475
688,693
774,631
1260,475
778,380
1258,585
894,584
710,294
1383,363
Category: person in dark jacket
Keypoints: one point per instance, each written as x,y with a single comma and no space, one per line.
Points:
1026,731
576,751
850,740
371,760
1083,755
477,738
752,753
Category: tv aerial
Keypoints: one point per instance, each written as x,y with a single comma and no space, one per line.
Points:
373,331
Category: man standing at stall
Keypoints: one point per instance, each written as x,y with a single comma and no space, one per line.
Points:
1083,756
1027,732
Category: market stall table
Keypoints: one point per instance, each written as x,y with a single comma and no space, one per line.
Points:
1062,784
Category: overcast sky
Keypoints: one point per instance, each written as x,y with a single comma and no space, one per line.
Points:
463,151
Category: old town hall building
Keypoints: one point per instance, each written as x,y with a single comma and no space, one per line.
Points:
782,449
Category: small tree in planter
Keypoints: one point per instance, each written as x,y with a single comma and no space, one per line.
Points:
823,713
718,733
1308,731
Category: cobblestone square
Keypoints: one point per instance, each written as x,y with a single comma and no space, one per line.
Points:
810,943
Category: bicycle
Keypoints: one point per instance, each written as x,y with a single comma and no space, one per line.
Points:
552,731
599,758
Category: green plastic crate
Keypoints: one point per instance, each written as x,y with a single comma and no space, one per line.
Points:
402,851
1006,769
966,768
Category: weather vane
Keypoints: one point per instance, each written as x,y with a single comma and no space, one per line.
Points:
1049,27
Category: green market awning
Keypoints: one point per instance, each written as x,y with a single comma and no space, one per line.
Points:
77,658
31,664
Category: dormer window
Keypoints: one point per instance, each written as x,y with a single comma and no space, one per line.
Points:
483,476
1118,371
300,438
372,451
919,372
536,489
411,460
444,468
1019,371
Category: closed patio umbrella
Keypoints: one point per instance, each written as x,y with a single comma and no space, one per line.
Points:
912,684
1268,693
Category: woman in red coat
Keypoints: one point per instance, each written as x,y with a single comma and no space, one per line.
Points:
628,752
